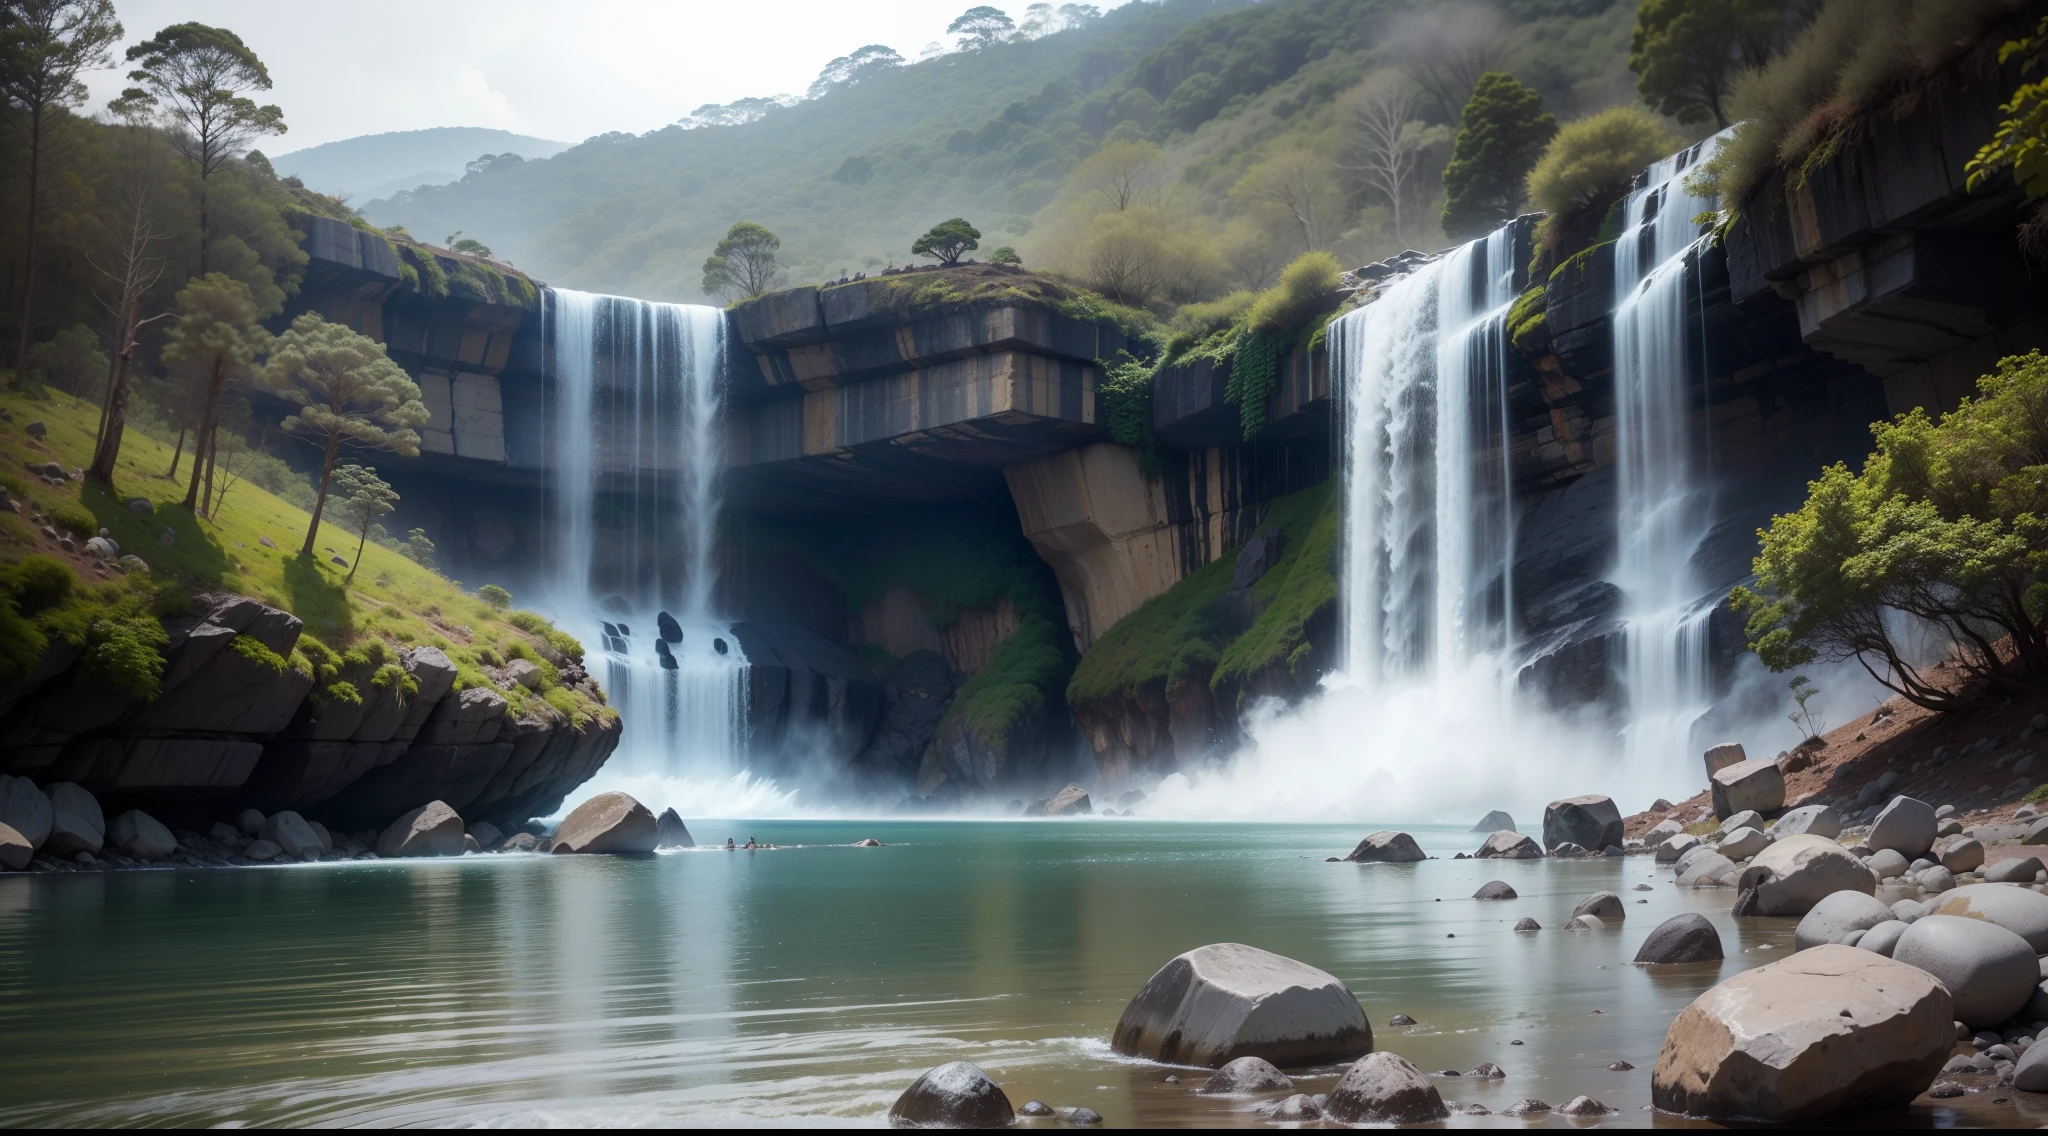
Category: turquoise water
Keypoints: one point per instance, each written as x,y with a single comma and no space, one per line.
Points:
804,985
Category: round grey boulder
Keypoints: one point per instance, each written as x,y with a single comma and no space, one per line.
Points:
2019,870
1495,889
1693,855
1384,1088
954,1095
1908,910
1604,904
1591,821
609,823
291,832
1835,916
1247,1075
1888,864
1508,844
1527,924
1674,847
1964,854
25,809
1710,870
1747,818
1681,938
142,836
1224,1001
1792,875
76,823
1299,1108
433,829
1744,843
1935,879
1989,971
1387,847
2030,1075
1883,938
1814,820
2023,911
1906,825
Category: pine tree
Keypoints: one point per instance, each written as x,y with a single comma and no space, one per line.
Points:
1501,134
1687,53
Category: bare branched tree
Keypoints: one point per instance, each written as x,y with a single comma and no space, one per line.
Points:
1298,180
1385,142
1443,49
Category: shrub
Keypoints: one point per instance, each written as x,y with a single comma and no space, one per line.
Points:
38,583
75,520
1593,161
498,598
1289,303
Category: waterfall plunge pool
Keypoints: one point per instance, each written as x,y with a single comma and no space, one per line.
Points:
807,985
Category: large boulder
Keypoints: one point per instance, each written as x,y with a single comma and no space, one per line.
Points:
2023,911
954,1095
608,822
293,833
1710,869
1792,875
25,809
1387,847
1744,843
1384,1088
1884,937
2014,870
1605,904
1676,846
76,824
670,832
2030,1075
1496,889
1495,821
1989,971
1070,801
1827,1029
1591,821
1508,844
1808,820
1224,1001
1906,826
1962,854
1755,784
15,849
1747,818
1724,755
142,836
433,829
1836,916
1681,938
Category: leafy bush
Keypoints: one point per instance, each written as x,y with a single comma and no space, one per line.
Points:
75,520
495,596
1593,161
38,583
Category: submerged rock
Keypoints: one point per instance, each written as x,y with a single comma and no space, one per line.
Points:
1590,821
1387,847
433,829
1495,821
1495,889
1827,1029
1710,869
1223,1001
1247,1075
1296,1109
1679,939
1527,924
1604,904
670,832
609,823
954,1095
1384,1088
1509,845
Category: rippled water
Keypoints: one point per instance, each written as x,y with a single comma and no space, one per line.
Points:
804,985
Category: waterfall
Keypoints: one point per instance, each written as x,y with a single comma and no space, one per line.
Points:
1664,505
1429,524
637,454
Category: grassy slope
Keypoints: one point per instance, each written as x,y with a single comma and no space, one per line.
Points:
1175,633
391,600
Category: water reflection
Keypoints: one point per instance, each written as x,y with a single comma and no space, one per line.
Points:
803,985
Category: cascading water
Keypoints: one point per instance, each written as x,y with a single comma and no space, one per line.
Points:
637,458
1664,500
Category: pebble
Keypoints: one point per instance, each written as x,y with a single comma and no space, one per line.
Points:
1171,1080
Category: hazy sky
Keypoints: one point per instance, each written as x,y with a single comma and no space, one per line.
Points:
550,68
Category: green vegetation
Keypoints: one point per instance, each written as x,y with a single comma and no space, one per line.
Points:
1591,163
1529,321
744,266
947,241
1687,53
1183,634
1945,526
363,497
1501,134
495,596
2020,146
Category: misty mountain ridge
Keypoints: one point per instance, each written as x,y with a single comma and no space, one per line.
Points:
373,166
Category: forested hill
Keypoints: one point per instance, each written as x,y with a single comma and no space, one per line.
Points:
848,177
377,165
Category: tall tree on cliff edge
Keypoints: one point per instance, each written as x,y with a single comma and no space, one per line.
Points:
1686,54
349,393
1500,136
744,265
44,46
197,80
212,347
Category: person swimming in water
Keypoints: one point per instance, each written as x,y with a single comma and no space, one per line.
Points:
728,844
751,844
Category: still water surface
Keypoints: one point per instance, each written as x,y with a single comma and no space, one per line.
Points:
805,985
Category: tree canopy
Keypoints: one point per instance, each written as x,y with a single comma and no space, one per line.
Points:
1686,54
981,26
947,241
744,265
1500,136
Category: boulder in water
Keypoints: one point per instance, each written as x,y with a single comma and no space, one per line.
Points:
1508,844
670,832
76,824
290,831
1247,1075
15,849
1217,1003
1070,801
1681,938
1674,847
1605,904
671,631
609,823
487,835
1495,889
433,829
142,836
1825,1030
1385,1088
1590,821
868,842
25,809
1387,847
1495,821
954,1095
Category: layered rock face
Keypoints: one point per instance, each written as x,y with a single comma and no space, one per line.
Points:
234,727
